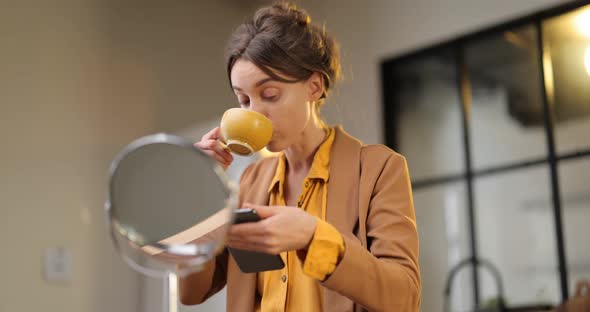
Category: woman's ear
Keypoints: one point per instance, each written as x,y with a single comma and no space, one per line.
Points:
315,86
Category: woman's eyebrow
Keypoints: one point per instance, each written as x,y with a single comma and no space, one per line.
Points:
257,84
263,81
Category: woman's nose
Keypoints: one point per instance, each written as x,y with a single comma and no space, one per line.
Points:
258,107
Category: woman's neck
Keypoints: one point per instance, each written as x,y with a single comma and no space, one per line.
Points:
299,156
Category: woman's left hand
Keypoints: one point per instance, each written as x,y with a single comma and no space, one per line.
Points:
280,229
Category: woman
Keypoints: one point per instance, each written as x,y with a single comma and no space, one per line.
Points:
340,213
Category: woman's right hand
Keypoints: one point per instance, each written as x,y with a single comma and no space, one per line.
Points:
211,146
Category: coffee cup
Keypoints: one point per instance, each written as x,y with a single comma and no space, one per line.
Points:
245,132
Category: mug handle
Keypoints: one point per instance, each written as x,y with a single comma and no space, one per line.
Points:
223,144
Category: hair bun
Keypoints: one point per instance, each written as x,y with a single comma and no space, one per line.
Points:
290,10
302,18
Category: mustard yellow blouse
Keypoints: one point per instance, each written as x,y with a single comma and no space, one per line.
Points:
295,287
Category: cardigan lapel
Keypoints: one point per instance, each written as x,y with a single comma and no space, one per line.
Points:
342,207
343,183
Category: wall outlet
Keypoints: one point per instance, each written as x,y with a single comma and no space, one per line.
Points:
57,264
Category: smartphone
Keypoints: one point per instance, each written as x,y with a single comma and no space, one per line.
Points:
244,215
253,261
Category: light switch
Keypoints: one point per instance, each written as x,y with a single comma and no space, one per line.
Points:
57,264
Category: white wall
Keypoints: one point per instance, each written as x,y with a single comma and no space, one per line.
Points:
78,81
58,136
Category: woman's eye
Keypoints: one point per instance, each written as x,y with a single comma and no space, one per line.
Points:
243,101
270,94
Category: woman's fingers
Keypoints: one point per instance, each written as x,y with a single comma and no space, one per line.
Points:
210,145
215,146
250,230
256,236
260,244
214,134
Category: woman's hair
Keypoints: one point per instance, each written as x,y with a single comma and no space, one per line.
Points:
281,39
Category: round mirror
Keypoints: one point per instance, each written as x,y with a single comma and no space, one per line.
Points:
169,205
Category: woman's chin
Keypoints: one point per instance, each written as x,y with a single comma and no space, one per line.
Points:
273,147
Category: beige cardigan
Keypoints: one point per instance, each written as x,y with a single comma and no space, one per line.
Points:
370,203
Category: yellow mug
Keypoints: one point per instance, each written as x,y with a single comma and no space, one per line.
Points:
245,132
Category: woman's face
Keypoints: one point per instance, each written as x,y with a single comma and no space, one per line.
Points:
287,105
